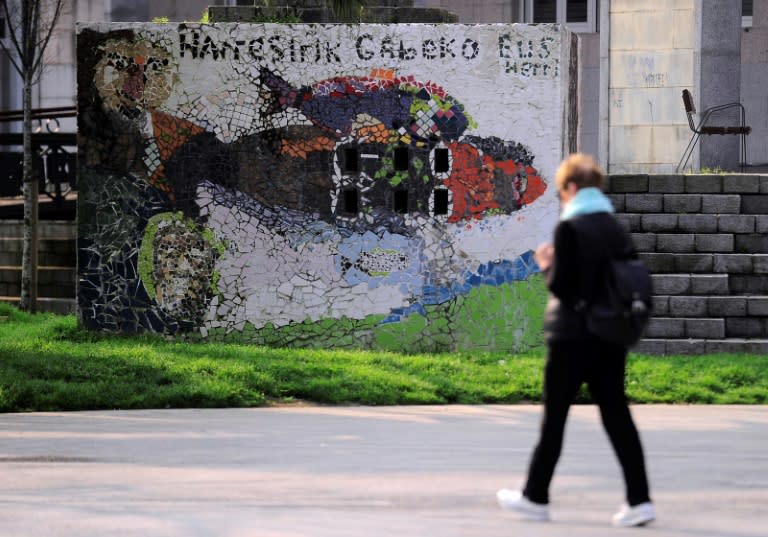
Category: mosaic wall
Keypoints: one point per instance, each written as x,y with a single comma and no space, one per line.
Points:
376,186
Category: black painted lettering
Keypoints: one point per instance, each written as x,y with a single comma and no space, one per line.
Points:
446,48
407,53
528,52
274,46
192,47
256,48
332,54
505,46
470,49
362,52
429,49
387,48
545,53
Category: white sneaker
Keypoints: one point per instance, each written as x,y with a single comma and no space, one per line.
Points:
513,500
639,515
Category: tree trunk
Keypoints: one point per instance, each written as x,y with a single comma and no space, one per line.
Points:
28,300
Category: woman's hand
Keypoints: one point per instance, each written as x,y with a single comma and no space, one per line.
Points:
544,255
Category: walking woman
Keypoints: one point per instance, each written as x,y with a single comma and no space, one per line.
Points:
586,236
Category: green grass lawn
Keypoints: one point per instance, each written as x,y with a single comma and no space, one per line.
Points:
48,363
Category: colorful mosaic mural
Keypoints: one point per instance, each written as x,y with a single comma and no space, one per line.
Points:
375,186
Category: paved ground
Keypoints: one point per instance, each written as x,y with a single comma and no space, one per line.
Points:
373,472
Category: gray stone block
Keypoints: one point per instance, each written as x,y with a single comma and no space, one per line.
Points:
741,184
671,284
618,201
760,263
732,345
682,203
761,223
744,327
630,221
665,327
757,306
726,306
660,305
751,243
697,223
736,223
723,204
666,184
705,328
694,262
658,263
709,284
703,184
627,183
754,204
659,222
656,347
757,346
644,242
732,263
676,242
687,306
763,184
643,203
749,284
714,242
686,346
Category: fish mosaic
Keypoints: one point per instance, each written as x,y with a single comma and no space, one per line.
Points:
360,203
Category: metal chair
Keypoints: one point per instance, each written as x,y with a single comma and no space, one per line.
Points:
703,129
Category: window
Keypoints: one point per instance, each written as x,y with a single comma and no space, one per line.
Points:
440,201
350,201
401,201
351,162
2,28
746,13
578,15
442,162
401,159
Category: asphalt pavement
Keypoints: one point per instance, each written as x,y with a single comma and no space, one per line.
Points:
429,471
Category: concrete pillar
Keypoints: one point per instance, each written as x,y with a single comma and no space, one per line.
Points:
652,52
720,77
754,81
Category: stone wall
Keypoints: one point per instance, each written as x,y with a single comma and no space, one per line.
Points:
653,54
375,186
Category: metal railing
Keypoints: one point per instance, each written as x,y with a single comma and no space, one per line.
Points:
54,153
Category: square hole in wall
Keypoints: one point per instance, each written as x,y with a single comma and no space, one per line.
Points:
401,159
440,201
350,201
351,159
442,162
401,201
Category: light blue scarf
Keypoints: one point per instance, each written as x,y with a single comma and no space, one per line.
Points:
586,201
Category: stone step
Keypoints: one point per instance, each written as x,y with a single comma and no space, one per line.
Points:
59,229
62,306
710,306
665,263
694,223
663,346
691,284
51,252
688,183
689,243
707,327
54,282
685,327
691,203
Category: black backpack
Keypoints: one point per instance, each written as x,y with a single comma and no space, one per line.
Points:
621,302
